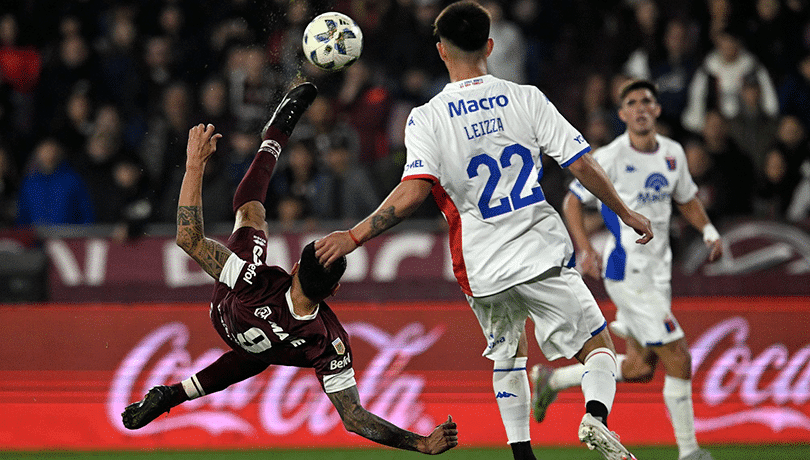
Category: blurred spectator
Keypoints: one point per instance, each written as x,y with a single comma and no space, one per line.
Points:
321,126
734,173
217,199
541,24
773,35
792,141
284,43
133,199
794,93
291,211
367,103
74,70
213,106
19,69
96,165
643,32
774,191
52,192
73,124
595,99
239,148
349,193
671,70
508,58
252,87
120,62
159,71
719,80
300,176
752,129
9,183
164,148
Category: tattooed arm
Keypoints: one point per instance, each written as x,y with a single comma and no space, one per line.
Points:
209,254
400,203
357,419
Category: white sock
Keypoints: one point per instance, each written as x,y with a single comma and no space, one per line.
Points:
192,387
570,376
513,395
566,377
599,377
678,398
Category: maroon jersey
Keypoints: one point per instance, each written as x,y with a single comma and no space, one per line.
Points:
252,311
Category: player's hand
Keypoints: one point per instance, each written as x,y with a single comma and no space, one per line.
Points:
443,438
641,225
333,246
591,264
202,143
715,249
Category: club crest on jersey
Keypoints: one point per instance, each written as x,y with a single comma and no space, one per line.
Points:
339,347
671,163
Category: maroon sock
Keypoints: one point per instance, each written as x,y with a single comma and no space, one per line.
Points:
253,186
230,368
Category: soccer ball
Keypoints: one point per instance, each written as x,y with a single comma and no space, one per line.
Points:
332,41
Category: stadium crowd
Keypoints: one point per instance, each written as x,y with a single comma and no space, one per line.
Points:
97,97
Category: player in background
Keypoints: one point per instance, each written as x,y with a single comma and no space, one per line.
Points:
650,173
477,147
264,314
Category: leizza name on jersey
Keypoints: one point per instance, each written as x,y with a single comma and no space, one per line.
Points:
485,103
483,127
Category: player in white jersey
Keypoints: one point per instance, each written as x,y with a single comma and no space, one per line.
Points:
477,147
649,172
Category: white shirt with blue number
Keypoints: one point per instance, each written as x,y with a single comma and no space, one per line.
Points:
647,182
480,142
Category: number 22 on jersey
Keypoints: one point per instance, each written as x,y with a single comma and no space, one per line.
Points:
514,200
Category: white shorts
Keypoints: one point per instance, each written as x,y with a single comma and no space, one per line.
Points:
646,312
563,310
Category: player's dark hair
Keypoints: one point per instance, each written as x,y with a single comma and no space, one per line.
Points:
318,281
633,85
465,24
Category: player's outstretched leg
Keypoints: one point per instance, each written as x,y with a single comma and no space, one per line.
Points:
597,437
156,402
289,111
276,133
542,392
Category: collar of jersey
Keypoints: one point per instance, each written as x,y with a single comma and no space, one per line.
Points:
309,317
468,83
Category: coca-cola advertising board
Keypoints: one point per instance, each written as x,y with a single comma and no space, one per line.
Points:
69,370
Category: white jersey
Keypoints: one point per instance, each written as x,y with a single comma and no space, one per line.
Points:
647,182
480,142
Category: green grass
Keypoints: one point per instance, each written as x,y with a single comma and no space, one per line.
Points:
772,452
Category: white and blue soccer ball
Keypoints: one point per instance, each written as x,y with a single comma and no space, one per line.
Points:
332,41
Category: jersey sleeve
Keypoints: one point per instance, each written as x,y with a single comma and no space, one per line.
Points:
251,283
685,189
584,195
557,137
422,157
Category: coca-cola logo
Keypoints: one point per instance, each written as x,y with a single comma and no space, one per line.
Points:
288,398
737,371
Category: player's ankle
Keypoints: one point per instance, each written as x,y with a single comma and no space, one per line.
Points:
522,450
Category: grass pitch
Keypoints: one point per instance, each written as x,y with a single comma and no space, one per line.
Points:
769,452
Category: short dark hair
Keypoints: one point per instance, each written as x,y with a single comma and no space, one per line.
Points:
318,281
633,85
465,24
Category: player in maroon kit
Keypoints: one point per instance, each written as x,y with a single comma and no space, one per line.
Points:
264,314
